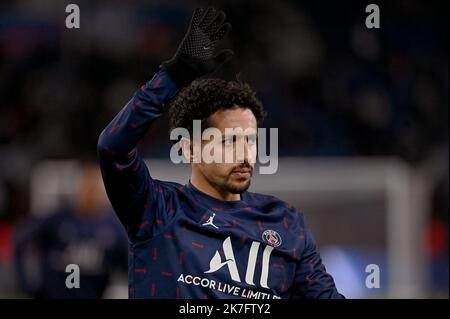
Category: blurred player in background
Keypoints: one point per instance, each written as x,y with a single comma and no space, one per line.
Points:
210,238
86,234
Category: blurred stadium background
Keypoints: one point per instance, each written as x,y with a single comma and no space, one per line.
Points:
362,117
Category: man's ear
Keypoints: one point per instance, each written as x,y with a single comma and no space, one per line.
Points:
191,151
186,148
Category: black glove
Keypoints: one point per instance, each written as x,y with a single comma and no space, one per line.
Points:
195,56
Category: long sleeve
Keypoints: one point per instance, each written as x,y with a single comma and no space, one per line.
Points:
311,279
124,173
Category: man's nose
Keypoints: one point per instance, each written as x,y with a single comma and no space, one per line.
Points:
247,155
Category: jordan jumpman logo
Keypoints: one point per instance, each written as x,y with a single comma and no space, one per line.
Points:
210,221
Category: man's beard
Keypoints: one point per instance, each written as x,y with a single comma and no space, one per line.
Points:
236,189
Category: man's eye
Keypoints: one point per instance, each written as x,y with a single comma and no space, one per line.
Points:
251,140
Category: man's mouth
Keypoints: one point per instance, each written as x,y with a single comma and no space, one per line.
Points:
242,172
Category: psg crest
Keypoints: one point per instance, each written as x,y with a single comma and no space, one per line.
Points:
272,238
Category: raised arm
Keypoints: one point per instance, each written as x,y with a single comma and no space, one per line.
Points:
126,177
124,173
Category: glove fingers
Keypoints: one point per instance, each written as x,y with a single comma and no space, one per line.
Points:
215,24
196,17
207,18
223,31
223,56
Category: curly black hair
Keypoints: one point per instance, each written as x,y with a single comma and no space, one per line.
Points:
202,98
